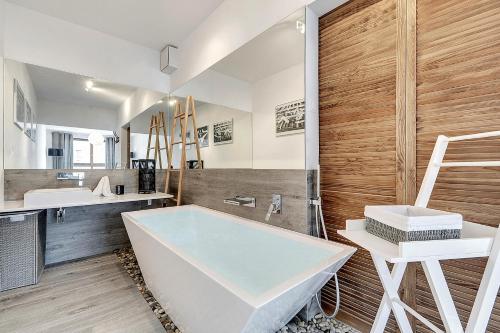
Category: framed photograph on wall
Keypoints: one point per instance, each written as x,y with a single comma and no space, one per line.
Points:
19,106
290,118
223,132
32,122
203,136
28,122
188,140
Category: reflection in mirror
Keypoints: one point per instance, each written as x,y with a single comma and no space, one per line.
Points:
249,108
59,120
224,135
261,88
141,129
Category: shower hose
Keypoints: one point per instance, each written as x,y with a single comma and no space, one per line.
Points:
319,218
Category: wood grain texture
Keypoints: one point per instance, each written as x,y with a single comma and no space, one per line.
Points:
361,151
209,188
94,295
458,92
86,231
406,120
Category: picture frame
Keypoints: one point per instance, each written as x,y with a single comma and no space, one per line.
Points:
19,112
290,118
28,123
188,140
203,136
223,132
33,123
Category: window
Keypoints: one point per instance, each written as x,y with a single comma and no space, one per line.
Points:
87,156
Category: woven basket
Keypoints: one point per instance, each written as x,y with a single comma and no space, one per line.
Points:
22,248
395,235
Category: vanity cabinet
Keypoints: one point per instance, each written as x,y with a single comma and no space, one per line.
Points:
89,230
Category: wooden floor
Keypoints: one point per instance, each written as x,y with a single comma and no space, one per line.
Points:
94,295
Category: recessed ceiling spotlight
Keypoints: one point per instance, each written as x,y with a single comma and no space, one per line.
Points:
89,85
301,26
172,102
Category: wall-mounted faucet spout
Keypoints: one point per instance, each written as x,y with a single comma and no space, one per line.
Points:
241,201
274,207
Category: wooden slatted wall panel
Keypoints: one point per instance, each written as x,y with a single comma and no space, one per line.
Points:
357,76
458,92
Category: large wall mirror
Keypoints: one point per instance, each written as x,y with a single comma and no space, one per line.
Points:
60,120
249,112
249,106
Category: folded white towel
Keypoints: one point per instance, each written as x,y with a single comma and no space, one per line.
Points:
103,188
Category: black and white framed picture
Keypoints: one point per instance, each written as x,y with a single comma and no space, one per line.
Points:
290,118
223,132
188,140
28,124
203,136
32,122
19,106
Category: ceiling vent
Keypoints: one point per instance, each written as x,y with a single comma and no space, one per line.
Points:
168,59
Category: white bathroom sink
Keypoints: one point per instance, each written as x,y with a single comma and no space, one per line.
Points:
58,196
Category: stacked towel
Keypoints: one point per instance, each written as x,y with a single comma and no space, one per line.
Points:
103,188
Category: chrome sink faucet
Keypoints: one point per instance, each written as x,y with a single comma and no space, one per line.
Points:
80,176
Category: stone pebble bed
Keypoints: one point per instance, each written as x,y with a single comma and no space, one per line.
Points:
319,324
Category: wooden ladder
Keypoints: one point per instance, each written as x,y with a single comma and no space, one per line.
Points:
158,123
189,112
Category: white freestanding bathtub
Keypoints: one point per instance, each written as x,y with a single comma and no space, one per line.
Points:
218,273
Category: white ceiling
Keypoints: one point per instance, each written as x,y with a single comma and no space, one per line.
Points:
152,23
276,49
65,87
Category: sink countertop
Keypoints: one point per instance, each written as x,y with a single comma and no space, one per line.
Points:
18,205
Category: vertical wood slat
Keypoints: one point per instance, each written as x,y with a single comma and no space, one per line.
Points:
406,128
401,29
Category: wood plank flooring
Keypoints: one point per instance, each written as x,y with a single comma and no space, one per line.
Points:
93,295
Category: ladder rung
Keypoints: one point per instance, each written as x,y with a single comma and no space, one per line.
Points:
180,142
183,115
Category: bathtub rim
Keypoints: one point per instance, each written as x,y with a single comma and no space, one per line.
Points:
262,299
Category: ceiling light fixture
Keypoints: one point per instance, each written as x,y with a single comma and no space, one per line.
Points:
172,102
301,26
89,85
159,102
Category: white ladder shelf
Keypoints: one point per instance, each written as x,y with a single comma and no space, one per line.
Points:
476,241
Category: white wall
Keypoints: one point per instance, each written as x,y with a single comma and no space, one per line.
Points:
216,88
2,19
43,40
233,155
312,90
20,152
75,115
271,151
231,25
140,101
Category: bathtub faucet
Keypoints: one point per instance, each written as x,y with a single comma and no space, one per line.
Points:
274,207
241,201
